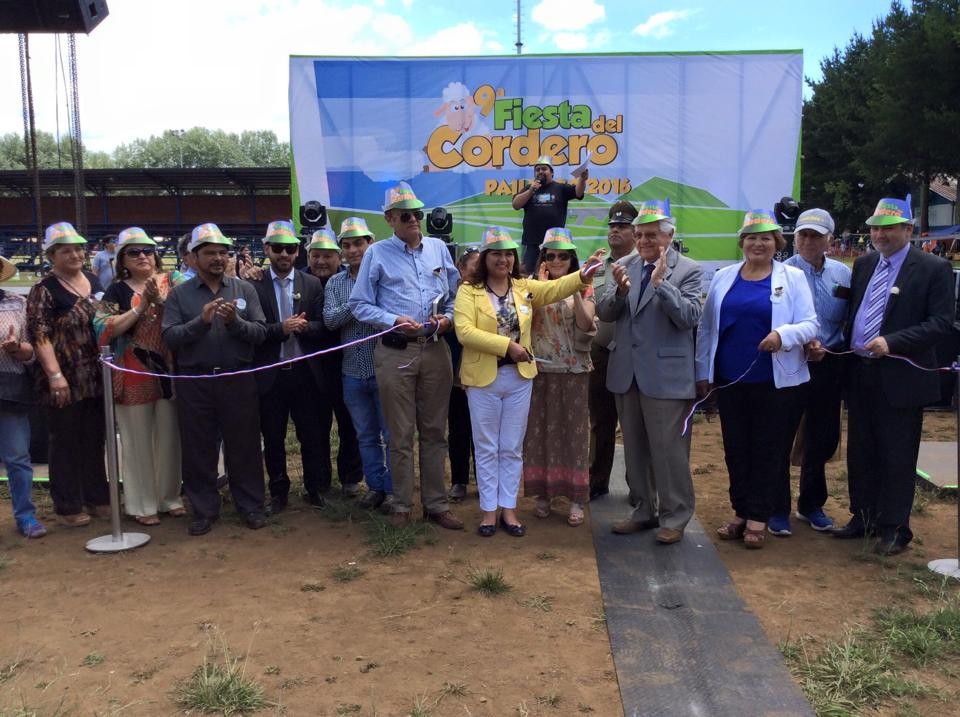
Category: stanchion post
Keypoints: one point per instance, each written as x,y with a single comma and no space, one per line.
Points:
117,540
950,567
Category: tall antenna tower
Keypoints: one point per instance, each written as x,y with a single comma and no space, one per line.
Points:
519,40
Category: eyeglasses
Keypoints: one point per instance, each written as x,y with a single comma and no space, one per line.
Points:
141,251
284,248
406,216
552,256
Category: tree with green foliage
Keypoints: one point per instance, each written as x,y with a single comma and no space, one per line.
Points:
50,155
201,147
883,119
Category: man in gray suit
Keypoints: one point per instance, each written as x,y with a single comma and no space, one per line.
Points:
656,307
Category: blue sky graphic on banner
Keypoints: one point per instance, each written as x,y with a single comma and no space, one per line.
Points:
716,133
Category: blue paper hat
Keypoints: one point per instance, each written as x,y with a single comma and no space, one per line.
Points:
891,211
653,210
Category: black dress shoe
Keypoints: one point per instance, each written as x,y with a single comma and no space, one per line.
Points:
486,531
200,526
458,491
314,499
372,500
853,529
349,490
891,546
255,520
517,530
276,505
598,493
386,507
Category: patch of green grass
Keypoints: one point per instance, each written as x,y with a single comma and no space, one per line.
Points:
10,669
347,572
420,708
581,707
599,619
312,586
851,676
5,562
221,686
338,510
452,689
922,637
546,555
543,603
550,700
488,581
93,659
387,540
348,709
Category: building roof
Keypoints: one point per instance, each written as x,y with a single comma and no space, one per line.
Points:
214,180
945,188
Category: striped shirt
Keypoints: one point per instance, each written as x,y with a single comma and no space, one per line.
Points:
357,360
831,310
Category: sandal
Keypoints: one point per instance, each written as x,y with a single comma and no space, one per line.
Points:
147,519
542,508
575,517
732,531
753,539
177,512
75,520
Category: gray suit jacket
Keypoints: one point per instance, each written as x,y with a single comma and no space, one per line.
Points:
654,333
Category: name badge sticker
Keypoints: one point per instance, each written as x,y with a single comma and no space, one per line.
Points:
523,309
777,296
241,304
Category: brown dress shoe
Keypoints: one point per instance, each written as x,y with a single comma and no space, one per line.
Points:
629,525
446,520
668,536
74,520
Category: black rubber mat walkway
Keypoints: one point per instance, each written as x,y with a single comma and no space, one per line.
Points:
683,641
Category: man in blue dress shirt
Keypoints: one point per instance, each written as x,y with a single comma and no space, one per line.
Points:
829,282
410,281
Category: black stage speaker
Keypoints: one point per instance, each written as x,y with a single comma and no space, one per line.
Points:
49,16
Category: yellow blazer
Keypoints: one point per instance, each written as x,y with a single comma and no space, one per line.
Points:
476,324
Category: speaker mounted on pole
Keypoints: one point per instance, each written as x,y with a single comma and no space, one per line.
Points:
51,16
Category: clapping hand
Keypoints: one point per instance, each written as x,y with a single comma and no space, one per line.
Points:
227,310
660,270
151,293
622,279
294,324
542,273
594,259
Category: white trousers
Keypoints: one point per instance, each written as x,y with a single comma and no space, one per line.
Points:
498,414
150,459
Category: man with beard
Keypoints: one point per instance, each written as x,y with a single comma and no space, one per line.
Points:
293,308
212,323
409,281
544,205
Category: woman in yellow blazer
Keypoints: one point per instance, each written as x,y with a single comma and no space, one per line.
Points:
492,317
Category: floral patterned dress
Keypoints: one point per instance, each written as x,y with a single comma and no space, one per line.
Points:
555,449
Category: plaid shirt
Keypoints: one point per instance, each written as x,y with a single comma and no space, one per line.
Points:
357,360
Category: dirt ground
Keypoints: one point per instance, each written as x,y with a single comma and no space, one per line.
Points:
84,634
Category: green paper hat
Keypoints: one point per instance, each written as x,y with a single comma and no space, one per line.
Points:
325,240
544,159
654,210
401,197
891,211
354,227
133,235
497,238
558,238
61,233
281,232
759,220
208,233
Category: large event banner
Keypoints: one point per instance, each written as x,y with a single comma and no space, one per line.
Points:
716,133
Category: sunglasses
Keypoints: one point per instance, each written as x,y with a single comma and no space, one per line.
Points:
142,251
284,248
551,256
406,216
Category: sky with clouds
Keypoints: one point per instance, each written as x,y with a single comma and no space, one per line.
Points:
183,63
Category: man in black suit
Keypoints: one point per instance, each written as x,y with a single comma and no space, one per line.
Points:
901,304
293,307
